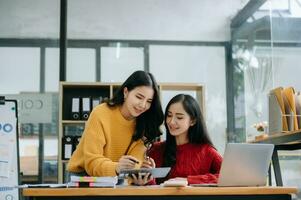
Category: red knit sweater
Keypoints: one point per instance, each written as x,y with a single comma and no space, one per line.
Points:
196,162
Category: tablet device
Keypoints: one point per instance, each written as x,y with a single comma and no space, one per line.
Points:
160,172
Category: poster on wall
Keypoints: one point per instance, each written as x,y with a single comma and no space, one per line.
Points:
31,105
9,165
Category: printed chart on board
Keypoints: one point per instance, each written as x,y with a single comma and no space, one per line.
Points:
9,177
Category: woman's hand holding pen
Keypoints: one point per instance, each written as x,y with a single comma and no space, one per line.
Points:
148,162
126,162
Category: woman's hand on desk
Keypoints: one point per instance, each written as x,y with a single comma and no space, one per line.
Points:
178,179
141,178
144,178
176,182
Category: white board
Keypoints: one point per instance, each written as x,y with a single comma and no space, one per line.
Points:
9,162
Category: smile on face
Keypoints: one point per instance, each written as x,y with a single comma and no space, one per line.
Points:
136,101
178,121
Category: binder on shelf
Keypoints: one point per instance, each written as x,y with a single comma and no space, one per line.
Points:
281,116
289,97
75,142
86,108
75,109
298,108
96,101
275,122
289,115
67,147
278,93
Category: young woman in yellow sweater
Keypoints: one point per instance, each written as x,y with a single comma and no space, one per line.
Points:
117,131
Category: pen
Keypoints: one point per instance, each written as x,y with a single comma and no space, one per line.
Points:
135,161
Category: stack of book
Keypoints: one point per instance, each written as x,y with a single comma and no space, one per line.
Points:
91,181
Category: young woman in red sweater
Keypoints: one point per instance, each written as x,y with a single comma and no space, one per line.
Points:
188,149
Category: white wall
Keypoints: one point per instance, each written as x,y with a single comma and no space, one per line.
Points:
202,20
19,69
29,19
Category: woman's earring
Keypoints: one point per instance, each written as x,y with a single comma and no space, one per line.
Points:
192,123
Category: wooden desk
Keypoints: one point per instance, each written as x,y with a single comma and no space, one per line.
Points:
282,141
157,192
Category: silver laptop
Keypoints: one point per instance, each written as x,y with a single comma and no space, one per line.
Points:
244,165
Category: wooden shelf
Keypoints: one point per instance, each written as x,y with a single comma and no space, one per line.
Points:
73,122
281,138
179,86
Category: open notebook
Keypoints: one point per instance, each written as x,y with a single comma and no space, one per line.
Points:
244,165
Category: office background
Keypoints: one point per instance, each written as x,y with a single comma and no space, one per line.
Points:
238,49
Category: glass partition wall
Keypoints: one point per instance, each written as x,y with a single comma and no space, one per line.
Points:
252,70
266,55
30,76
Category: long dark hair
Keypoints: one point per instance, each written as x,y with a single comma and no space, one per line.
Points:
197,134
148,123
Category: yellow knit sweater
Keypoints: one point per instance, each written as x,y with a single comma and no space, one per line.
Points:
106,138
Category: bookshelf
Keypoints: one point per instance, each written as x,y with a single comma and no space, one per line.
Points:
74,128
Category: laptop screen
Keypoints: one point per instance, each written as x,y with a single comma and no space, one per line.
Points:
245,164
